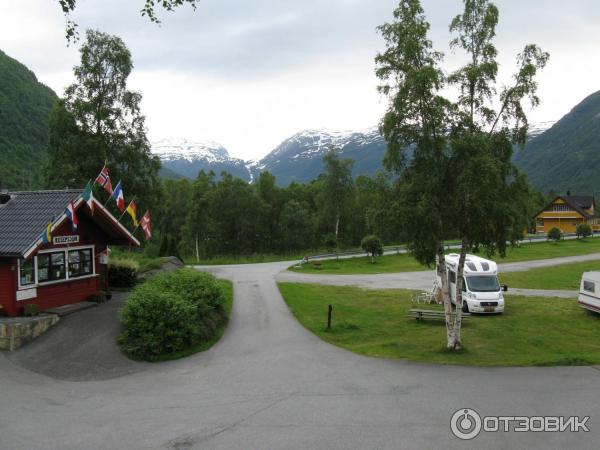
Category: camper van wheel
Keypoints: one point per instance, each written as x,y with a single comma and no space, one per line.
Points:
465,307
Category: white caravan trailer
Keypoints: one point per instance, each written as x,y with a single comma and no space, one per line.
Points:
589,291
482,292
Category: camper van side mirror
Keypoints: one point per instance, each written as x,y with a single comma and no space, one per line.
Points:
505,287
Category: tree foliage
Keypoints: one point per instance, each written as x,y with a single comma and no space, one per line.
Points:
455,156
583,230
25,106
338,188
99,121
149,9
555,234
372,245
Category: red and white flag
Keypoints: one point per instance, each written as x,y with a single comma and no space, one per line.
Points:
70,212
103,179
145,224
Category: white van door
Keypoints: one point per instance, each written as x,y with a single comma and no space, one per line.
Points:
452,285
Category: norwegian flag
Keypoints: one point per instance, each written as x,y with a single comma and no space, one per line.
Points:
145,224
70,212
103,179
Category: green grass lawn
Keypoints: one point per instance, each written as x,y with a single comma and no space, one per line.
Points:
565,276
362,264
531,332
405,263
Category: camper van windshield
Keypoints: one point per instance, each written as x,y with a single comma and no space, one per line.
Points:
483,284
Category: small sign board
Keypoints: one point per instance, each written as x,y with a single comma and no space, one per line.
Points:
26,294
61,240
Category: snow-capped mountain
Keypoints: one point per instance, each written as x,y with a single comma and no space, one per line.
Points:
300,158
186,158
535,129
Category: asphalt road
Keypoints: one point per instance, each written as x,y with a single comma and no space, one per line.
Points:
423,280
270,384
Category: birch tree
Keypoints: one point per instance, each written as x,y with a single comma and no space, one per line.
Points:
338,187
490,121
415,125
460,180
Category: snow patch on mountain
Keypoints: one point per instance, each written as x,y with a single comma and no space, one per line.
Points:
181,149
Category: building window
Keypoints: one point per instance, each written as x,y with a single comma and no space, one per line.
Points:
589,286
26,272
80,263
561,207
51,267
540,222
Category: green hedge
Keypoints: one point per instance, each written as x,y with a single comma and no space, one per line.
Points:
171,313
122,274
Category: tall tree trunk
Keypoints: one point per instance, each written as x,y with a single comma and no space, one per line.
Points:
197,249
444,288
337,224
457,343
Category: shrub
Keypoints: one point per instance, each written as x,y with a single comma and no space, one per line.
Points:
122,273
583,230
31,309
197,288
554,234
373,246
330,242
155,323
171,312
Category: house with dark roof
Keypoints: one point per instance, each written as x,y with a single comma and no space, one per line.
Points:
565,212
71,266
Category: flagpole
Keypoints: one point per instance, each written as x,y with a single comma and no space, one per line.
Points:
111,196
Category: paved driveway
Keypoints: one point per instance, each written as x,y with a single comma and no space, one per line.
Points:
270,384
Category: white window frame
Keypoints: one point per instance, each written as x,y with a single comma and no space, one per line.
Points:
27,286
65,251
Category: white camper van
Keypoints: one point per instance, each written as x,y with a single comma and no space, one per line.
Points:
589,291
482,292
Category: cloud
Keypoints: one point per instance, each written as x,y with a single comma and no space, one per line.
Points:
251,73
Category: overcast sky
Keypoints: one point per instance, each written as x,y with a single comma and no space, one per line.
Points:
250,73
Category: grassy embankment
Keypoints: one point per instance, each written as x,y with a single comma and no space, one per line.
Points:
405,263
531,332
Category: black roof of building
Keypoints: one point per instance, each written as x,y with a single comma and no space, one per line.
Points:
583,201
24,217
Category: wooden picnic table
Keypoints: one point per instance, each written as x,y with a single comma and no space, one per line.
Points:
421,314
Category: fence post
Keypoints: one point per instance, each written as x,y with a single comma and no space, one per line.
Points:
329,311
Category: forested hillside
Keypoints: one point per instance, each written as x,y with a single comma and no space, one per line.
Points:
25,106
567,156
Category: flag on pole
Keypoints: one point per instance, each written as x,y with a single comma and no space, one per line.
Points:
119,198
47,234
132,211
70,212
103,179
145,224
88,196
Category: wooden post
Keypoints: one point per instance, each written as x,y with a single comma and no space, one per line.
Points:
329,311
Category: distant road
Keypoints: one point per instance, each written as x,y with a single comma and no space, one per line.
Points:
423,280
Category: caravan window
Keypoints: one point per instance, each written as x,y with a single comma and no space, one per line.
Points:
452,277
589,286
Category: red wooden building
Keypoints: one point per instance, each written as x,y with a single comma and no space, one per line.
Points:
68,269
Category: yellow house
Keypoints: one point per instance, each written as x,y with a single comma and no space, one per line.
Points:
566,212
